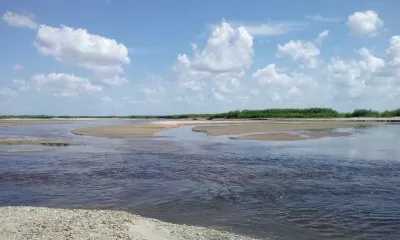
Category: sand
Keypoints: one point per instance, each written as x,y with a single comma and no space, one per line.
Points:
32,141
140,130
211,128
268,126
46,223
291,136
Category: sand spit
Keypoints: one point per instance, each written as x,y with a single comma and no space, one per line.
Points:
268,126
45,223
291,136
31,141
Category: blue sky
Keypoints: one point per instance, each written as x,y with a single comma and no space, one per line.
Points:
117,57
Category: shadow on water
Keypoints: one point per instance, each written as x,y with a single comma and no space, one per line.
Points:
332,188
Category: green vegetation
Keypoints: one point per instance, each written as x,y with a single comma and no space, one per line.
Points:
254,114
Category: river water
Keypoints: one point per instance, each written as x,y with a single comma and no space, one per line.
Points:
331,188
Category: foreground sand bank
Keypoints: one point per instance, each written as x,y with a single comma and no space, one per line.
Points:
45,223
212,128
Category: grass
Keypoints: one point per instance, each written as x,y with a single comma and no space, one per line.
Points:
241,114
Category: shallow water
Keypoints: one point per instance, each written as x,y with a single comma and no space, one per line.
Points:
331,188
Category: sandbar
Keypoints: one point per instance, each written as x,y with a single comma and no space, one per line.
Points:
268,126
47,223
143,130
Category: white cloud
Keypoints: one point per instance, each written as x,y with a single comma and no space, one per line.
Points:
106,99
365,23
17,67
356,76
394,53
81,48
21,85
271,75
370,62
228,49
321,36
272,28
303,51
19,20
114,81
320,18
227,53
66,85
227,82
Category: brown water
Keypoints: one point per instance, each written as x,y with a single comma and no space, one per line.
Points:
333,188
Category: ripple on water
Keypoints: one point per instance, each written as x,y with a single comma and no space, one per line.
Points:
313,190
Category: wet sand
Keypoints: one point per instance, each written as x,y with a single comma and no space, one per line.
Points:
30,141
29,122
45,223
232,129
291,136
212,128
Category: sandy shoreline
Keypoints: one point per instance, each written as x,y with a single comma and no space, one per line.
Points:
46,223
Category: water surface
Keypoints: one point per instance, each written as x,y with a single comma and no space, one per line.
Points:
331,188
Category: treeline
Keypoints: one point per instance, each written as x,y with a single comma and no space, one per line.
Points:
305,113
254,114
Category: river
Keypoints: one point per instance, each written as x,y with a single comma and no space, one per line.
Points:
331,188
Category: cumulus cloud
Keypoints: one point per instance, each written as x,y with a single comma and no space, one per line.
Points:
303,51
273,76
321,36
114,81
81,48
66,85
227,53
356,76
394,52
365,23
228,49
19,20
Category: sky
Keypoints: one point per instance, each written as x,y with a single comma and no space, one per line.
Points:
126,57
